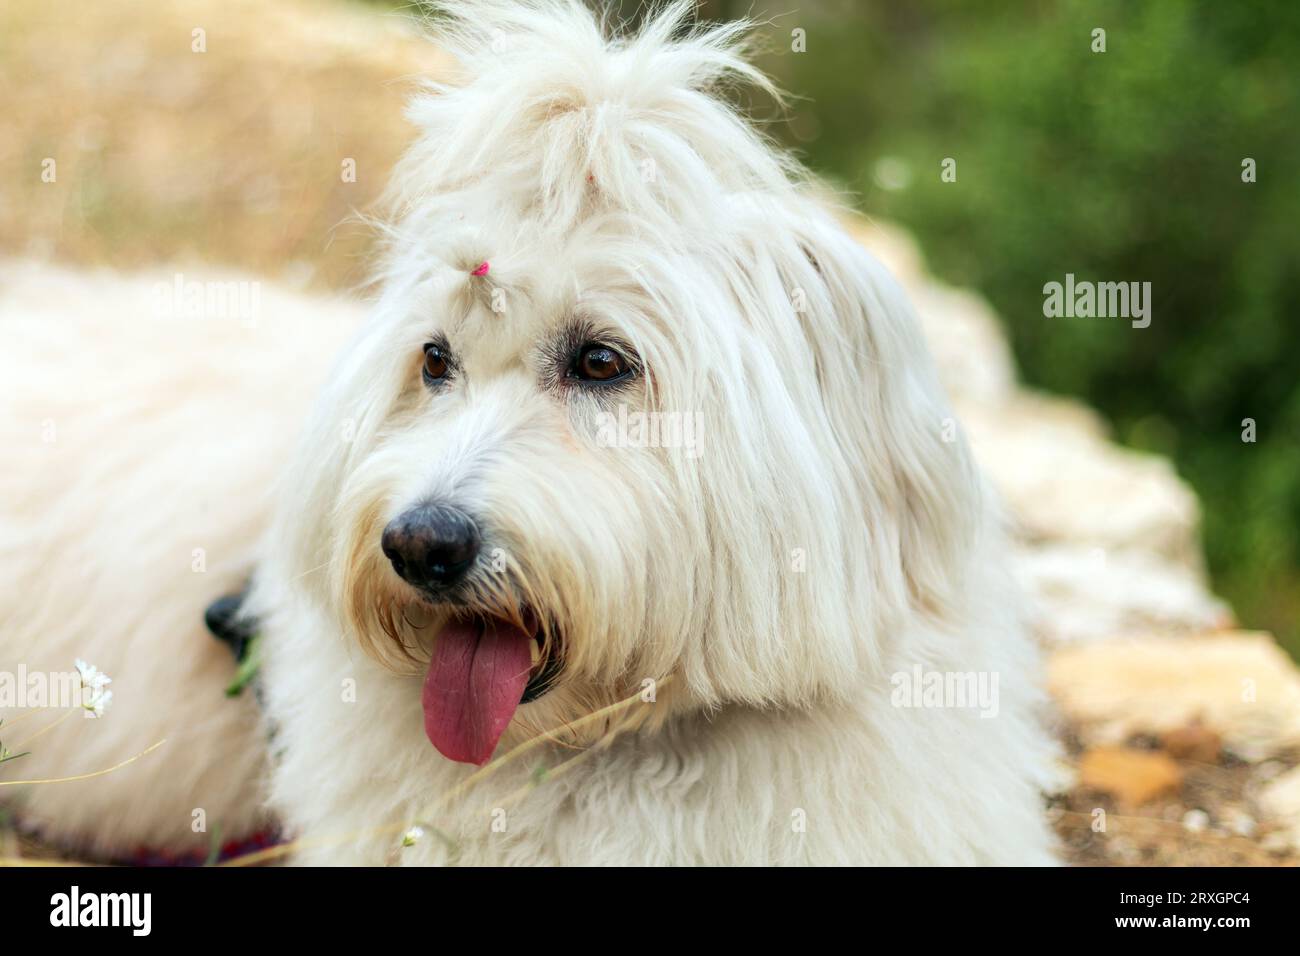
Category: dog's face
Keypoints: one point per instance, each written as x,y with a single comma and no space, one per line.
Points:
631,408
499,521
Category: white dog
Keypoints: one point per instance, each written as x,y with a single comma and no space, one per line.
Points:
632,525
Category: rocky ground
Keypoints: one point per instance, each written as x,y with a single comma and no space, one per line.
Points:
1181,733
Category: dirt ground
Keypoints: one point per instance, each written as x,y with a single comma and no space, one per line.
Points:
1212,819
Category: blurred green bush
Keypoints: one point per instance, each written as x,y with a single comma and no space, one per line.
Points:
1117,166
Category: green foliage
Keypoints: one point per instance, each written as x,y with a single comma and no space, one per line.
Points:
250,663
1117,166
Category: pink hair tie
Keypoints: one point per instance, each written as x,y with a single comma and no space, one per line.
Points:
482,270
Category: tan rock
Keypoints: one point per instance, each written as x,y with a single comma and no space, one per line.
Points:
1133,777
1240,685
1193,742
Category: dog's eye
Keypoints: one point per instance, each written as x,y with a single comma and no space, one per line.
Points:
435,364
599,363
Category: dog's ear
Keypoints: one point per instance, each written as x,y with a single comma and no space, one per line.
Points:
921,494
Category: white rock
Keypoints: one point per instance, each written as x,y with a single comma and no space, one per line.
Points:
1064,483
1239,822
1280,800
1081,593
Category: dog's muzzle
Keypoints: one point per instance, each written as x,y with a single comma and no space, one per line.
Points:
484,665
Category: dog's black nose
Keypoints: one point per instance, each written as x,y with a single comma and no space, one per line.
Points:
431,545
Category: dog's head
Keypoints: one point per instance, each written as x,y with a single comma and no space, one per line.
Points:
631,404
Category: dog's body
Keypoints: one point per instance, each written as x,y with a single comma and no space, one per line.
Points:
716,638
144,446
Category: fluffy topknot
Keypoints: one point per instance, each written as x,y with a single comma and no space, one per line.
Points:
567,112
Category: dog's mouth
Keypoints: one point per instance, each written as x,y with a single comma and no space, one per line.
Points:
482,669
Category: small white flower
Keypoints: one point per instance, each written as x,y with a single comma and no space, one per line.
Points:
412,836
93,681
97,702
92,678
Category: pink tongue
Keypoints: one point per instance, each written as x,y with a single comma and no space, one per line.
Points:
475,680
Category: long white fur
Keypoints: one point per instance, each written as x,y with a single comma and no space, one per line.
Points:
826,537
